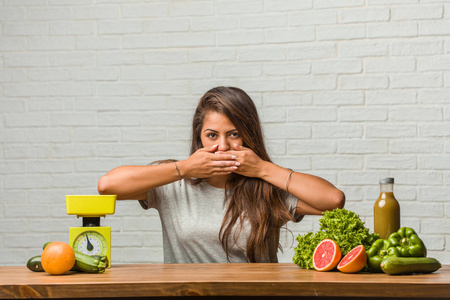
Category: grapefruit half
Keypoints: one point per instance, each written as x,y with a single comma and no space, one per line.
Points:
354,261
326,255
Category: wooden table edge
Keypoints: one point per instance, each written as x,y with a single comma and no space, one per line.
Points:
69,287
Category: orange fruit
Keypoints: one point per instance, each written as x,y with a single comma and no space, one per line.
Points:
326,255
57,258
354,261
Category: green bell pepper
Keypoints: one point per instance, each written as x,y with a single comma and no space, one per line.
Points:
408,243
380,250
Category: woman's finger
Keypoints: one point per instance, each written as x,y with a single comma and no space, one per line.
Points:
226,164
223,156
237,147
212,148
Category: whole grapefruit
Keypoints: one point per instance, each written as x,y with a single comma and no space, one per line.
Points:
57,258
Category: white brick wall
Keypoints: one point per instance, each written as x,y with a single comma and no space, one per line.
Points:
349,90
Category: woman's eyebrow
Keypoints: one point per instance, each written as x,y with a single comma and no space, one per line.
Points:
207,129
210,130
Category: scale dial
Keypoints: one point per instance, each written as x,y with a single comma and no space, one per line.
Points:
91,243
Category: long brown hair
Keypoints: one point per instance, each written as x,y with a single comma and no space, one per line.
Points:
252,199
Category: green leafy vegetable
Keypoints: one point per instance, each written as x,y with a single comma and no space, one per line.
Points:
341,225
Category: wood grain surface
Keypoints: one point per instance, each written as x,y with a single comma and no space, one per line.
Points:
168,280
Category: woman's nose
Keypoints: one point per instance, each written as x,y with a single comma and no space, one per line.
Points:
223,145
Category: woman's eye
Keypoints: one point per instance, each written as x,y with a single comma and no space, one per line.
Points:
234,134
212,135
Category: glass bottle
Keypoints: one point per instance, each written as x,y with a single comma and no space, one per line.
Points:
386,210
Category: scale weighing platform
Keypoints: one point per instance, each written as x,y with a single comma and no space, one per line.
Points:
91,238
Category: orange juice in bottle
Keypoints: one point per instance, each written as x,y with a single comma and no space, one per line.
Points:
386,210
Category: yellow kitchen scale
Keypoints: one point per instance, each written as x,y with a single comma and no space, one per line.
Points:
91,239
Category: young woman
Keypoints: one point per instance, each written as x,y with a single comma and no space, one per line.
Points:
227,201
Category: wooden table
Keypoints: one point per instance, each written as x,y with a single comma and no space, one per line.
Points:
224,280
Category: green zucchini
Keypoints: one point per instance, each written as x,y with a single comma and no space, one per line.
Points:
45,245
102,258
89,264
409,265
34,264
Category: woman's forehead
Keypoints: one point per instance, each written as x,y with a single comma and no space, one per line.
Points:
217,120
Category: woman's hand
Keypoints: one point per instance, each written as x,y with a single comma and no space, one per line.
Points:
248,162
207,162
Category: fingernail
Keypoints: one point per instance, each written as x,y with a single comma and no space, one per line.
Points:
233,156
237,164
234,168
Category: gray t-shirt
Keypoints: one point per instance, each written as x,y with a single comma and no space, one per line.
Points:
191,217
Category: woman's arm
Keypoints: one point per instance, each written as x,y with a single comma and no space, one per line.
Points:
133,182
315,194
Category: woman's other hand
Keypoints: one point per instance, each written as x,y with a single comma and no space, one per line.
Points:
207,162
248,162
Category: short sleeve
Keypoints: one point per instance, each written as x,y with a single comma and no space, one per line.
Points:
152,200
153,196
291,202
